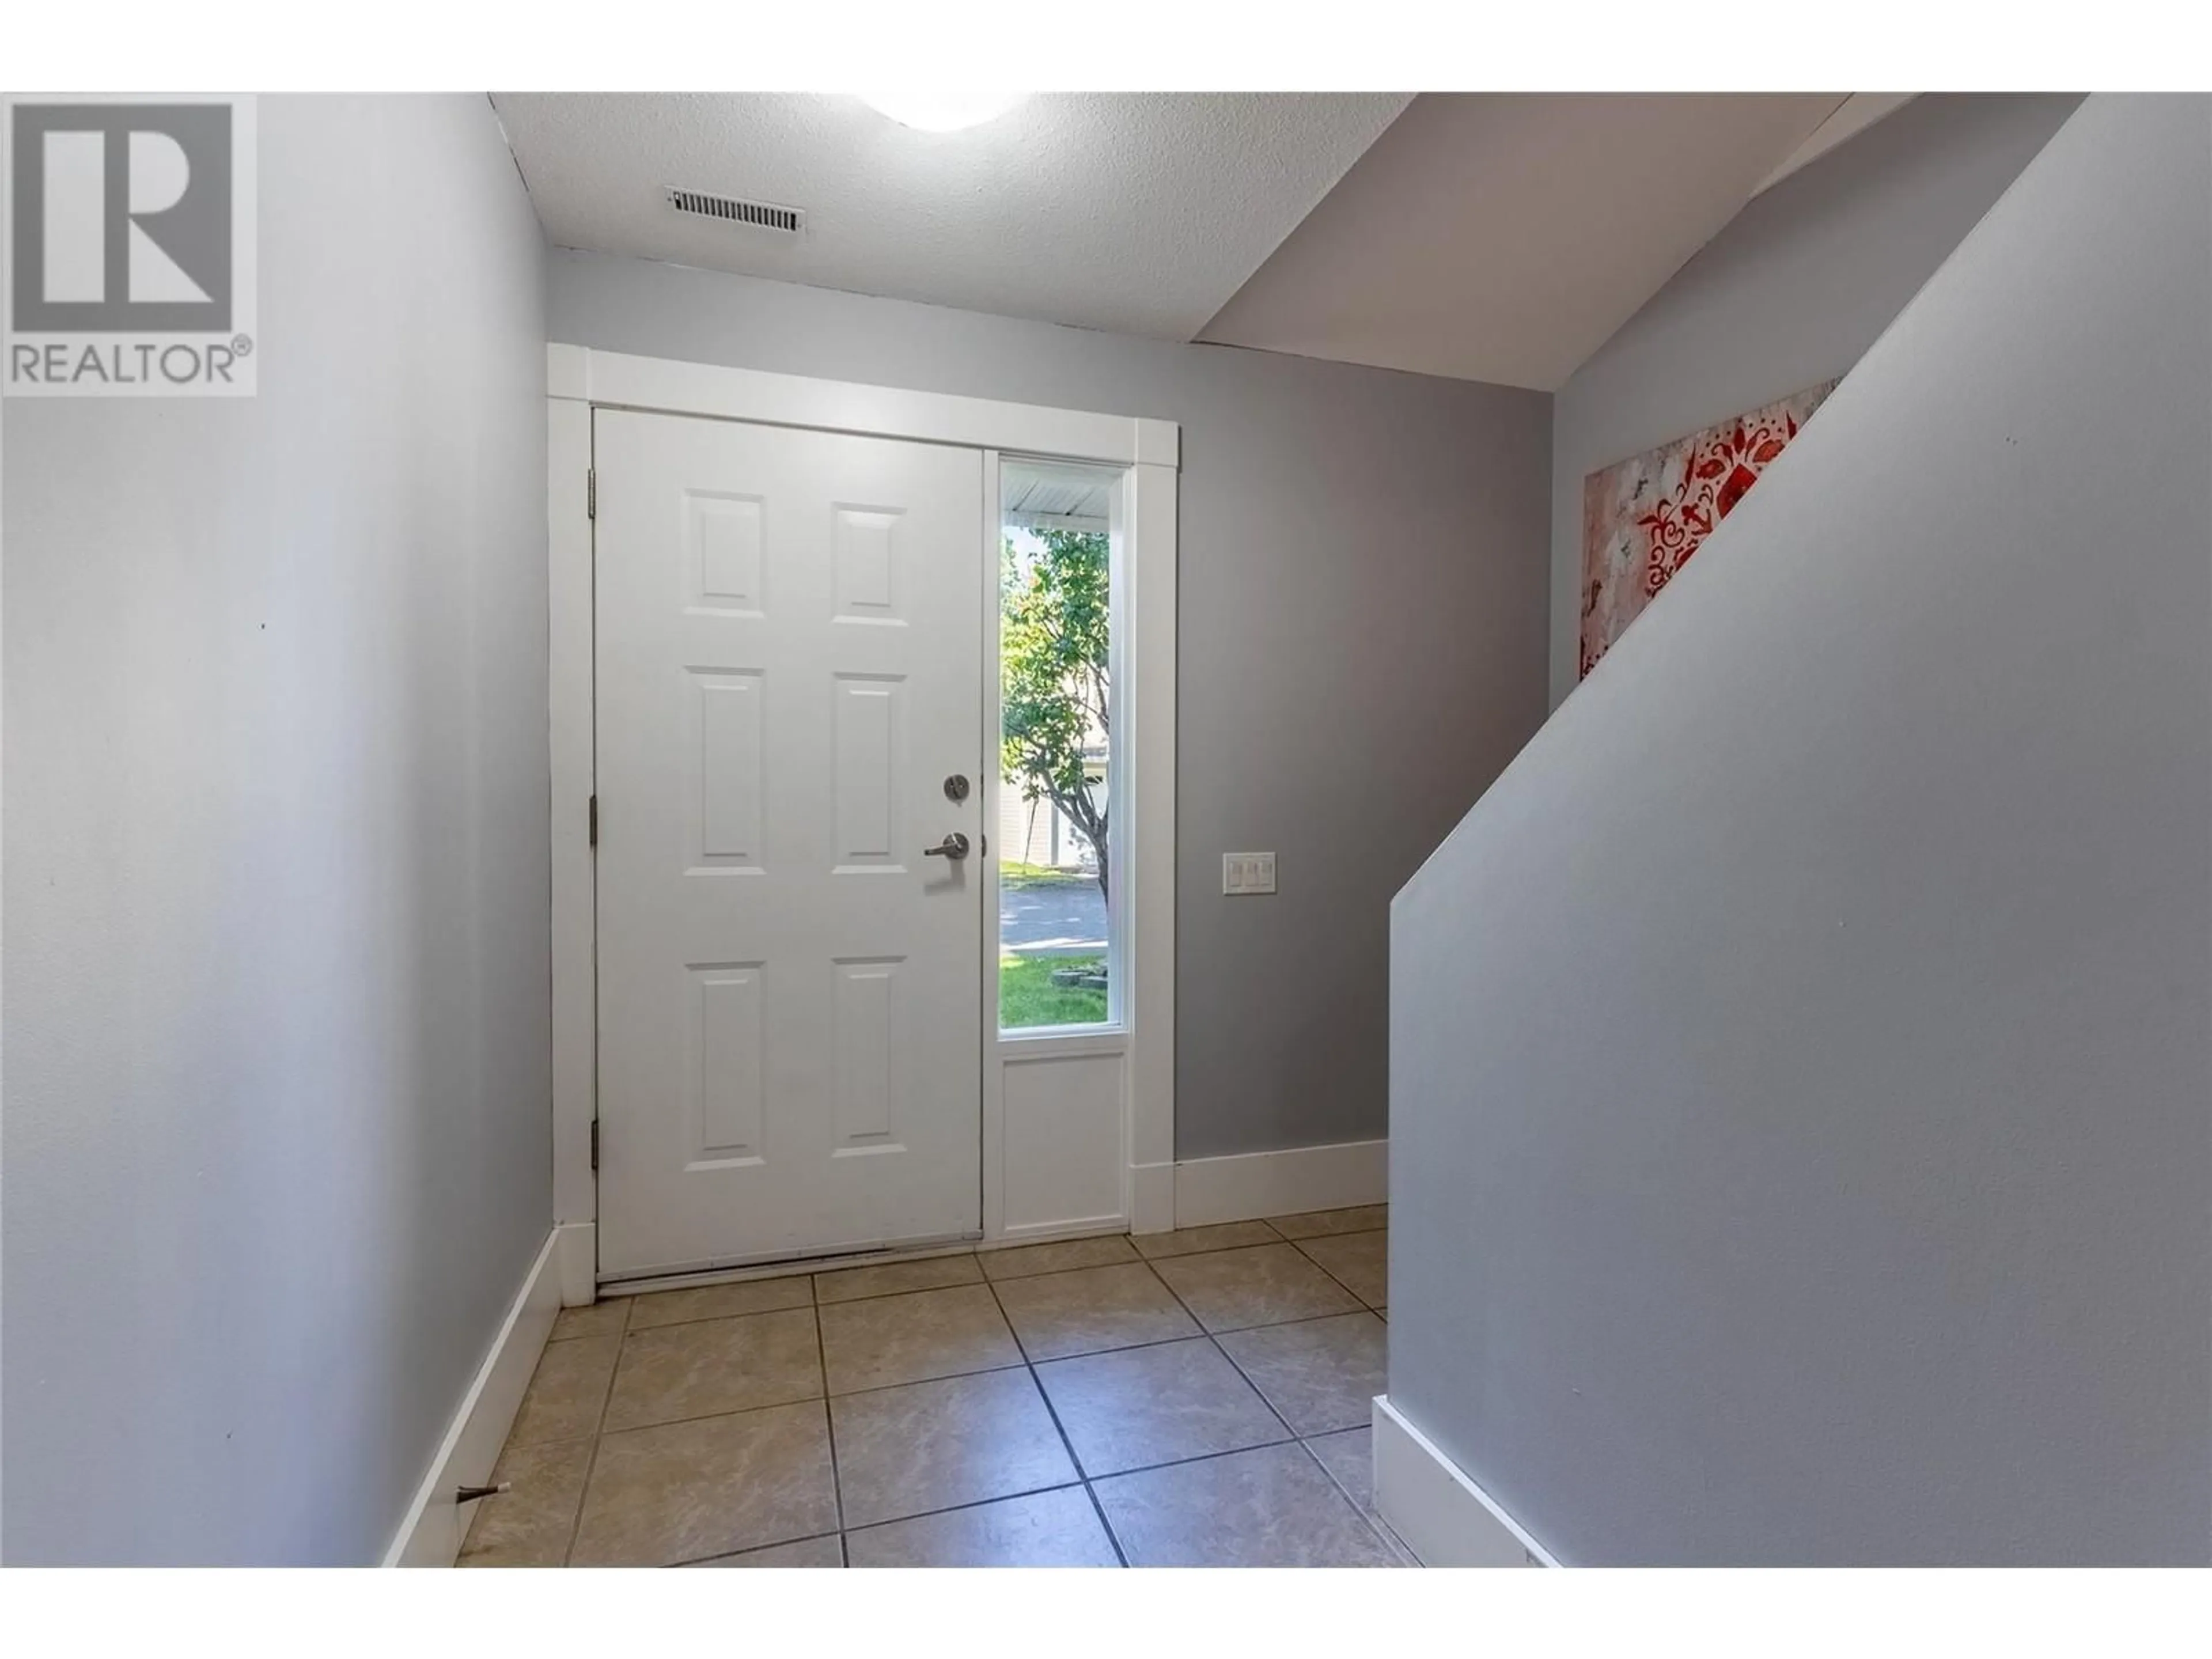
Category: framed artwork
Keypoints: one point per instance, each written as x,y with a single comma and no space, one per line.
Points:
1643,517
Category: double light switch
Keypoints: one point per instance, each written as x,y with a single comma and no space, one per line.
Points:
1248,873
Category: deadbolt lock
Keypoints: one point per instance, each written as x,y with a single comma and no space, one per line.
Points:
956,787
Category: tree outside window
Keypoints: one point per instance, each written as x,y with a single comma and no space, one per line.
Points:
1055,681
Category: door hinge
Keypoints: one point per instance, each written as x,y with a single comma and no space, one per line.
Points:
591,492
595,1143
593,815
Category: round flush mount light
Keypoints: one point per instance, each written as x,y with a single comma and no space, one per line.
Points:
941,112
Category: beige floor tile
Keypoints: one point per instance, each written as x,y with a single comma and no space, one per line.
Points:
1056,1315
849,1284
716,1365
719,1300
1059,1256
936,1445
905,1339
1358,1261
1266,1284
1319,1374
1143,1406
826,1552
1045,1530
1350,1457
1269,1508
601,1319
1319,1224
566,1393
1192,1241
529,1527
684,1492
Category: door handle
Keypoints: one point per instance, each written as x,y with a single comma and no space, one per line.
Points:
954,845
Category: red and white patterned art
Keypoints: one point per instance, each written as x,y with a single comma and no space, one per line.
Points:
1643,517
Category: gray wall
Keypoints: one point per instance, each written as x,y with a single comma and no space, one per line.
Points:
277,1141
1801,1148
1789,295
1362,608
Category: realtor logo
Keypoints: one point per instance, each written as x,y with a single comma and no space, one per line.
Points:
129,248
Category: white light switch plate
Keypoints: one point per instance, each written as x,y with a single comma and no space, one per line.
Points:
1248,873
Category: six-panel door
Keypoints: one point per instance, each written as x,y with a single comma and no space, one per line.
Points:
788,661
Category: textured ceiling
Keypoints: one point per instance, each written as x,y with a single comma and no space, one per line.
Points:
1137,212
1503,237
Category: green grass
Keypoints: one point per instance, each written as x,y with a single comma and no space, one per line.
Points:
1013,872
1027,995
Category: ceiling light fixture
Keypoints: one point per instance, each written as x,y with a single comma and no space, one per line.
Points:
941,112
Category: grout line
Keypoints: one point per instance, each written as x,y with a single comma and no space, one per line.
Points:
1131,1259
829,1423
910,1289
1299,1245
900,1520
1214,1337
1372,1523
918,1382
829,1417
1297,1439
705,1279
591,1463
1342,1232
972,1503
1051,1410
1287,1439
1113,1538
755,1549
770,1272
619,1331
715,1319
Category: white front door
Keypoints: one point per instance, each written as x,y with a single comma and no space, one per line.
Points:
789,671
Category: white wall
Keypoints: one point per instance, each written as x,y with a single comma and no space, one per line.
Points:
1361,621
278,1149
1789,295
1801,1149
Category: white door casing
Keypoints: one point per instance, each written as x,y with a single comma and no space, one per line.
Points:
788,667
1022,1198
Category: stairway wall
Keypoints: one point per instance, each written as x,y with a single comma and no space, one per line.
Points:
1791,294
1802,1144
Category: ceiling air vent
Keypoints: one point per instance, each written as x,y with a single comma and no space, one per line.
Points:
759,215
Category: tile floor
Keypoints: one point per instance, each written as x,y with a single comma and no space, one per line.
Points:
1189,1399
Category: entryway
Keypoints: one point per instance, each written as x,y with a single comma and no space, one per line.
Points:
797,629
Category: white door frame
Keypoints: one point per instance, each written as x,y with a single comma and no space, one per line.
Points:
1141,1049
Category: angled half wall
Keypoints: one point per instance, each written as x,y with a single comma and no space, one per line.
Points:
1801,1138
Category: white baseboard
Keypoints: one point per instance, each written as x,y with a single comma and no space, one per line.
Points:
1440,1515
1151,1198
576,1262
1255,1184
430,1536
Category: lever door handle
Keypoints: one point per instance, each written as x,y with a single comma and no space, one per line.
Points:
954,845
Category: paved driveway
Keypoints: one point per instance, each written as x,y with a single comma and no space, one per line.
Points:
1068,917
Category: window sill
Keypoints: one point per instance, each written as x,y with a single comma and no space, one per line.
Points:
1062,1041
